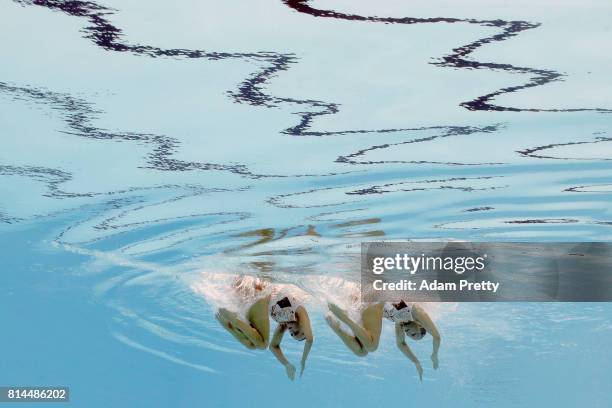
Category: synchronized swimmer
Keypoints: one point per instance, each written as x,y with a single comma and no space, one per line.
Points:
261,300
411,320
254,331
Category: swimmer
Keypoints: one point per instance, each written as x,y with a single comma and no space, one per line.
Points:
410,320
291,316
365,335
254,330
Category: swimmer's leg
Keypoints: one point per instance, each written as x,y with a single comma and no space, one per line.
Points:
369,334
238,335
372,322
349,340
257,331
259,318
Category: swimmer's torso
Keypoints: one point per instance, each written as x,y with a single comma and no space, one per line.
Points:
398,312
283,311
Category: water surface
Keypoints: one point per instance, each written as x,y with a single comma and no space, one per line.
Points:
147,144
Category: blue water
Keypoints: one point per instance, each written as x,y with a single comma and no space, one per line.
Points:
146,146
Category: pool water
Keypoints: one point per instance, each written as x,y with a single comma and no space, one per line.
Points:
147,146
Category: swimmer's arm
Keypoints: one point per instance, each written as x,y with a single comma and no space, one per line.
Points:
423,318
304,320
400,339
278,352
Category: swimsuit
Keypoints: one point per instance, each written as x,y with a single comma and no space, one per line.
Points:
398,312
283,311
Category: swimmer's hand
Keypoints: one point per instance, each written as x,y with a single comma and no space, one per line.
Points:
303,366
334,324
419,370
290,370
434,360
339,313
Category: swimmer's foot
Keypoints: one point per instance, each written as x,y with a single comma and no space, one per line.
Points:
227,314
219,319
223,321
339,313
229,317
333,323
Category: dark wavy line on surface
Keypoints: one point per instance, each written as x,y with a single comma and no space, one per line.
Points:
277,200
530,152
112,204
78,115
5,219
53,178
576,189
381,189
544,221
449,131
105,35
140,202
535,221
317,217
457,59
476,209
238,216
107,224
